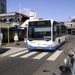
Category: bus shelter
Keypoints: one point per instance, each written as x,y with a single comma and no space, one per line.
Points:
7,27
8,33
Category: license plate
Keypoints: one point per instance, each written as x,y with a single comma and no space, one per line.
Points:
39,48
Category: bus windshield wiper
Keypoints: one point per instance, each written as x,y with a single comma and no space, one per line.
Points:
47,38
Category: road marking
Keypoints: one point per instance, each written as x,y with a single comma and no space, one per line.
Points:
16,54
27,55
12,50
40,55
55,55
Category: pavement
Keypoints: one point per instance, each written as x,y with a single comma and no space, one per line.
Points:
12,44
9,46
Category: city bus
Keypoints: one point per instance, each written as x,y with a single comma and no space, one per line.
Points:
45,34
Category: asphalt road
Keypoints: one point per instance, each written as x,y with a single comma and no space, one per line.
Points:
12,61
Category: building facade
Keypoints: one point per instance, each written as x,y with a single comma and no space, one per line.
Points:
71,27
2,6
10,24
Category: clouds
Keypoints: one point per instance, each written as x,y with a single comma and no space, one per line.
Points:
25,11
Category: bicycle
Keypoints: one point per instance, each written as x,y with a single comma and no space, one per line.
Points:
69,60
65,70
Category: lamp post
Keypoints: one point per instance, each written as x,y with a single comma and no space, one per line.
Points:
20,14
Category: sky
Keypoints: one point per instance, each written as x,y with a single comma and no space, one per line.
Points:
59,10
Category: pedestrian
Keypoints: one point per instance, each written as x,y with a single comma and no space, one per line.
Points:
16,39
25,39
1,38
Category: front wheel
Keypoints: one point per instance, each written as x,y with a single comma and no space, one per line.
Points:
59,42
65,39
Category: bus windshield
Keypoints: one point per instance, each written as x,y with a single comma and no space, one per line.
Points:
39,32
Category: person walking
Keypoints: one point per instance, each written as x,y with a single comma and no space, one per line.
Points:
16,39
25,39
1,38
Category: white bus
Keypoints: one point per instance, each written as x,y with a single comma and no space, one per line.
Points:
45,34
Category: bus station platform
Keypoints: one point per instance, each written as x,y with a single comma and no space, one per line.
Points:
6,46
12,44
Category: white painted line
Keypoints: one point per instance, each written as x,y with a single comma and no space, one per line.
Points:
40,55
27,55
12,50
16,54
55,55
15,47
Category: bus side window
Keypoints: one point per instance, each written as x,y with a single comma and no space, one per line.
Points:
58,30
55,31
54,36
63,30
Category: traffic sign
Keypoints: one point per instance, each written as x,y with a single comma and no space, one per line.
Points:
7,21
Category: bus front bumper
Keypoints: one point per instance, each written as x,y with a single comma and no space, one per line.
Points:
42,48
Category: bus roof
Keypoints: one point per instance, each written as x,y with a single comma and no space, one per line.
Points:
25,24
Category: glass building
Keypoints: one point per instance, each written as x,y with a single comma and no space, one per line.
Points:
2,6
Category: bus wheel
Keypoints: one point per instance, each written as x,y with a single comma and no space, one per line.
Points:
59,42
65,39
29,50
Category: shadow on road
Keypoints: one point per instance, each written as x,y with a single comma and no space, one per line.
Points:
3,50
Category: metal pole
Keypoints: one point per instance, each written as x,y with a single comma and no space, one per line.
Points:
0,27
0,36
19,19
73,71
19,14
8,34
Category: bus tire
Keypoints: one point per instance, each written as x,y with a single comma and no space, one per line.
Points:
59,42
65,39
29,50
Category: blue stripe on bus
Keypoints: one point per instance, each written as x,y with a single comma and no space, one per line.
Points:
42,48
45,48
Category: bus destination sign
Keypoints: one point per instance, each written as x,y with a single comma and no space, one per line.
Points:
39,23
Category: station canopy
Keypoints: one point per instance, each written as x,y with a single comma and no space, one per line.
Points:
10,16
